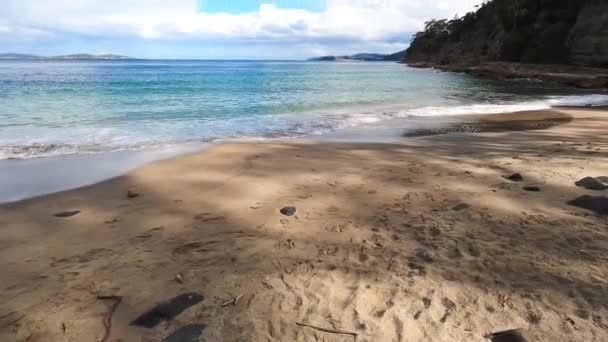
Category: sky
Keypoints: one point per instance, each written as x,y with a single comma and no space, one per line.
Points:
217,29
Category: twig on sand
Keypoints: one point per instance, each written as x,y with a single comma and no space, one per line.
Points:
13,321
331,331
107,319
233,301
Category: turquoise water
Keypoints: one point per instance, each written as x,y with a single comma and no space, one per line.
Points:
65,107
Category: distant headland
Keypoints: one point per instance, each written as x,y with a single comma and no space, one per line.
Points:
22,56
366,57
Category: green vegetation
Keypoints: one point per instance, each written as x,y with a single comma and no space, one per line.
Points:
530,31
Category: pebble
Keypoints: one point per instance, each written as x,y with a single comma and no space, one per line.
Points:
132,194
516,177
288,211
424,254
67,213
179,278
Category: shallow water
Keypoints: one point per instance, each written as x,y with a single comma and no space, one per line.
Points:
66,107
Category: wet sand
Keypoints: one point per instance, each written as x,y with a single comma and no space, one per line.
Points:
422,240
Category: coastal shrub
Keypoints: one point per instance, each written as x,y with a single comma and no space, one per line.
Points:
533,31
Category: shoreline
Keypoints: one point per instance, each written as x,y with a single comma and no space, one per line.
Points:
423,239
73,171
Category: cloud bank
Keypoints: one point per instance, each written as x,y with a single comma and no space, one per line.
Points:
343,26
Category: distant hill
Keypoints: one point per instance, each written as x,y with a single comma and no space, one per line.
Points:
90,56
62,57
18,56
367,57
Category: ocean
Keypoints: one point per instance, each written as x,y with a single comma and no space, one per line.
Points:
50,108
67,124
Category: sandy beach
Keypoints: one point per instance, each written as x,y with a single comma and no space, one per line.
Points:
422,240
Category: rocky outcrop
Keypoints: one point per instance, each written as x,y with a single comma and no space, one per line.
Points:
575,76
520,31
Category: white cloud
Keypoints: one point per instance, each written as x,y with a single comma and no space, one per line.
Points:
343,21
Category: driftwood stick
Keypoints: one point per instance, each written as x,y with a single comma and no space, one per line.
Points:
331,331
233,301
107,320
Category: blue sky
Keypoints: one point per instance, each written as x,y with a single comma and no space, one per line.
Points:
240,29
244,6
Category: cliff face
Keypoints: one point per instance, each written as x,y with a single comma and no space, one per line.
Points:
589,36
527,31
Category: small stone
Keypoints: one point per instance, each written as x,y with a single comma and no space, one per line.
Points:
461,206
531,188
516,177
67,213
132,194
179,278
424,254
288,211
590,183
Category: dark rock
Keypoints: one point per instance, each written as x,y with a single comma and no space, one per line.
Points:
288,211
590,183
597,204
424,254
516,177
187,333
506,336
168,310
67,213
132,194
461,206
531,188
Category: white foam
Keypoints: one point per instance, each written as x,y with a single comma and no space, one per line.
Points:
42,142
552,101
579,100
473,109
